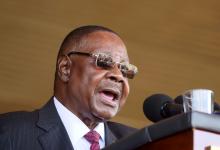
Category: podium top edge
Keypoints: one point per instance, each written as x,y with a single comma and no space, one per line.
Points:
182,122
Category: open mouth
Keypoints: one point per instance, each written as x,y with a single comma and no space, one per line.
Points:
110,96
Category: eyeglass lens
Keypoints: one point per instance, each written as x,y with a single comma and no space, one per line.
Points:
105,61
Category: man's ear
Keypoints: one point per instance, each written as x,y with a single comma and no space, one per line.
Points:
64,65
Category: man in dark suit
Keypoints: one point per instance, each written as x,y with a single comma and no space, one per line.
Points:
90,87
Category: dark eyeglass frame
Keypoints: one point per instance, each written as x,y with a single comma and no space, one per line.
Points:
105,61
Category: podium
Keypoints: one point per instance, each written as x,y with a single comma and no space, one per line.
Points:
187,131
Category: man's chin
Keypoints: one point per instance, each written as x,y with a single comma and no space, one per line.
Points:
103,116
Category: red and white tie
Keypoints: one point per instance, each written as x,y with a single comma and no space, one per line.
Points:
93,138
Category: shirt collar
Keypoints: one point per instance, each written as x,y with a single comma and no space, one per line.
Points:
75,128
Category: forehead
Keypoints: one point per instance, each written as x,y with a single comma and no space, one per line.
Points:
105,42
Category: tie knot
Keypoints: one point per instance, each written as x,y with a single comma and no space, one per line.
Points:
92,136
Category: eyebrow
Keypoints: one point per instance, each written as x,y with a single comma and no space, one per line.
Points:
80,53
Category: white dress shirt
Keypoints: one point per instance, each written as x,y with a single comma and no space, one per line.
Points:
76,129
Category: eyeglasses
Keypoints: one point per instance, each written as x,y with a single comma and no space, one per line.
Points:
105,61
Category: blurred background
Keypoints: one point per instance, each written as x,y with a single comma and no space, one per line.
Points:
175,44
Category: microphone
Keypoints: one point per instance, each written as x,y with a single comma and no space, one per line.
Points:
160,106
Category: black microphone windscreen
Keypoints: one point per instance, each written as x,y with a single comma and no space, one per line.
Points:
179,99
216,107
152,106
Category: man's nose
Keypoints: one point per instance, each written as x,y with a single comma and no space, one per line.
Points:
115,74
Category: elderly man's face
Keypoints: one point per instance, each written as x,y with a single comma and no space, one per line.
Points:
94,91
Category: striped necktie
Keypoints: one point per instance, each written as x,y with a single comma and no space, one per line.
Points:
93,138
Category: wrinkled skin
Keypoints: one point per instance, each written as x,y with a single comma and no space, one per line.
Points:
87,90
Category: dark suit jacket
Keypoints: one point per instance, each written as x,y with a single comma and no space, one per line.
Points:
43,130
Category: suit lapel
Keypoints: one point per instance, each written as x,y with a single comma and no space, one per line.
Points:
55,136
109,136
